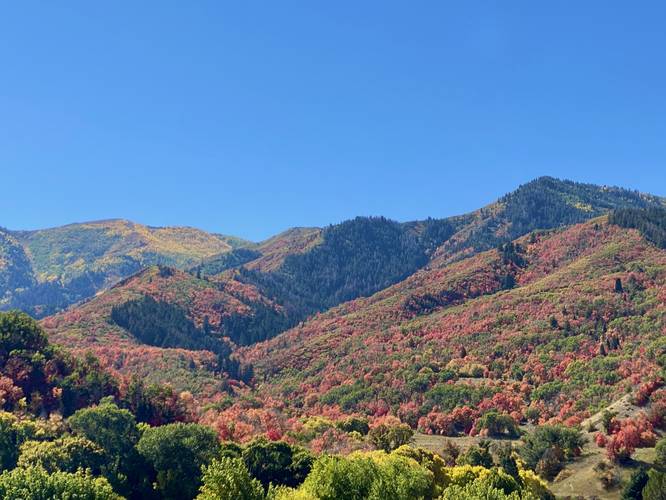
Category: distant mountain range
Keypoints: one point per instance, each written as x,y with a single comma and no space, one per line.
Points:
227,292
303,269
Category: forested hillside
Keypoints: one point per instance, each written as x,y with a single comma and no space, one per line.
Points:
360,257
60,266
162,324
442,348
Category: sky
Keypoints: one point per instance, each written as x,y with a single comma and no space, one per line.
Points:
247,118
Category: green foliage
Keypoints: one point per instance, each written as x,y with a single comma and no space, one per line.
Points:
634,488
115,431
660,453
355,258
65,454
19,332
375,477
498,425
228,260
477,456
12,434
229,479
477,490
112,428
655,489
650,222
389,436
545,437
163,324
450,396
354,424
35,483
606,419
347,396
277,462
177,453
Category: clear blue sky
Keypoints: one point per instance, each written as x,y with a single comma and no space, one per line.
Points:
250,117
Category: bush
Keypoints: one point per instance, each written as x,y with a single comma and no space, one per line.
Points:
497,425
660,453
633,489
569,440
477,456
390,435
655,489
277,462
229,479
354,424
34,483
607,474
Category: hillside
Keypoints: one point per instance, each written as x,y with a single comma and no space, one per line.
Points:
541,329
63,265
161,324
321,269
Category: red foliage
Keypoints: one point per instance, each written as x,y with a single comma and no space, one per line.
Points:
600,439
627,435
645,390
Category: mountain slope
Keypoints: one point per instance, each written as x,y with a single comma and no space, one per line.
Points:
360,257
70,263
458,338
161,323
544,203
15,268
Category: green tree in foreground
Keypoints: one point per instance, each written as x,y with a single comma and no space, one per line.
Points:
66,454
115,431
229,479
34,483
375,478
177,452
277,462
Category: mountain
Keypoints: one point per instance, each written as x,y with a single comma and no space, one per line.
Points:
47,270
254,292
161,324
359,257
551,327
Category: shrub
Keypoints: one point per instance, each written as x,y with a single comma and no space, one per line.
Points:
660,453
354,424
634,487
34,483
277,462
229,479
569,440
390,434
497,425
607,474
655,488
477,455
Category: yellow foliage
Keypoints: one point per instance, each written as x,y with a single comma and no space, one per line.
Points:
463,474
